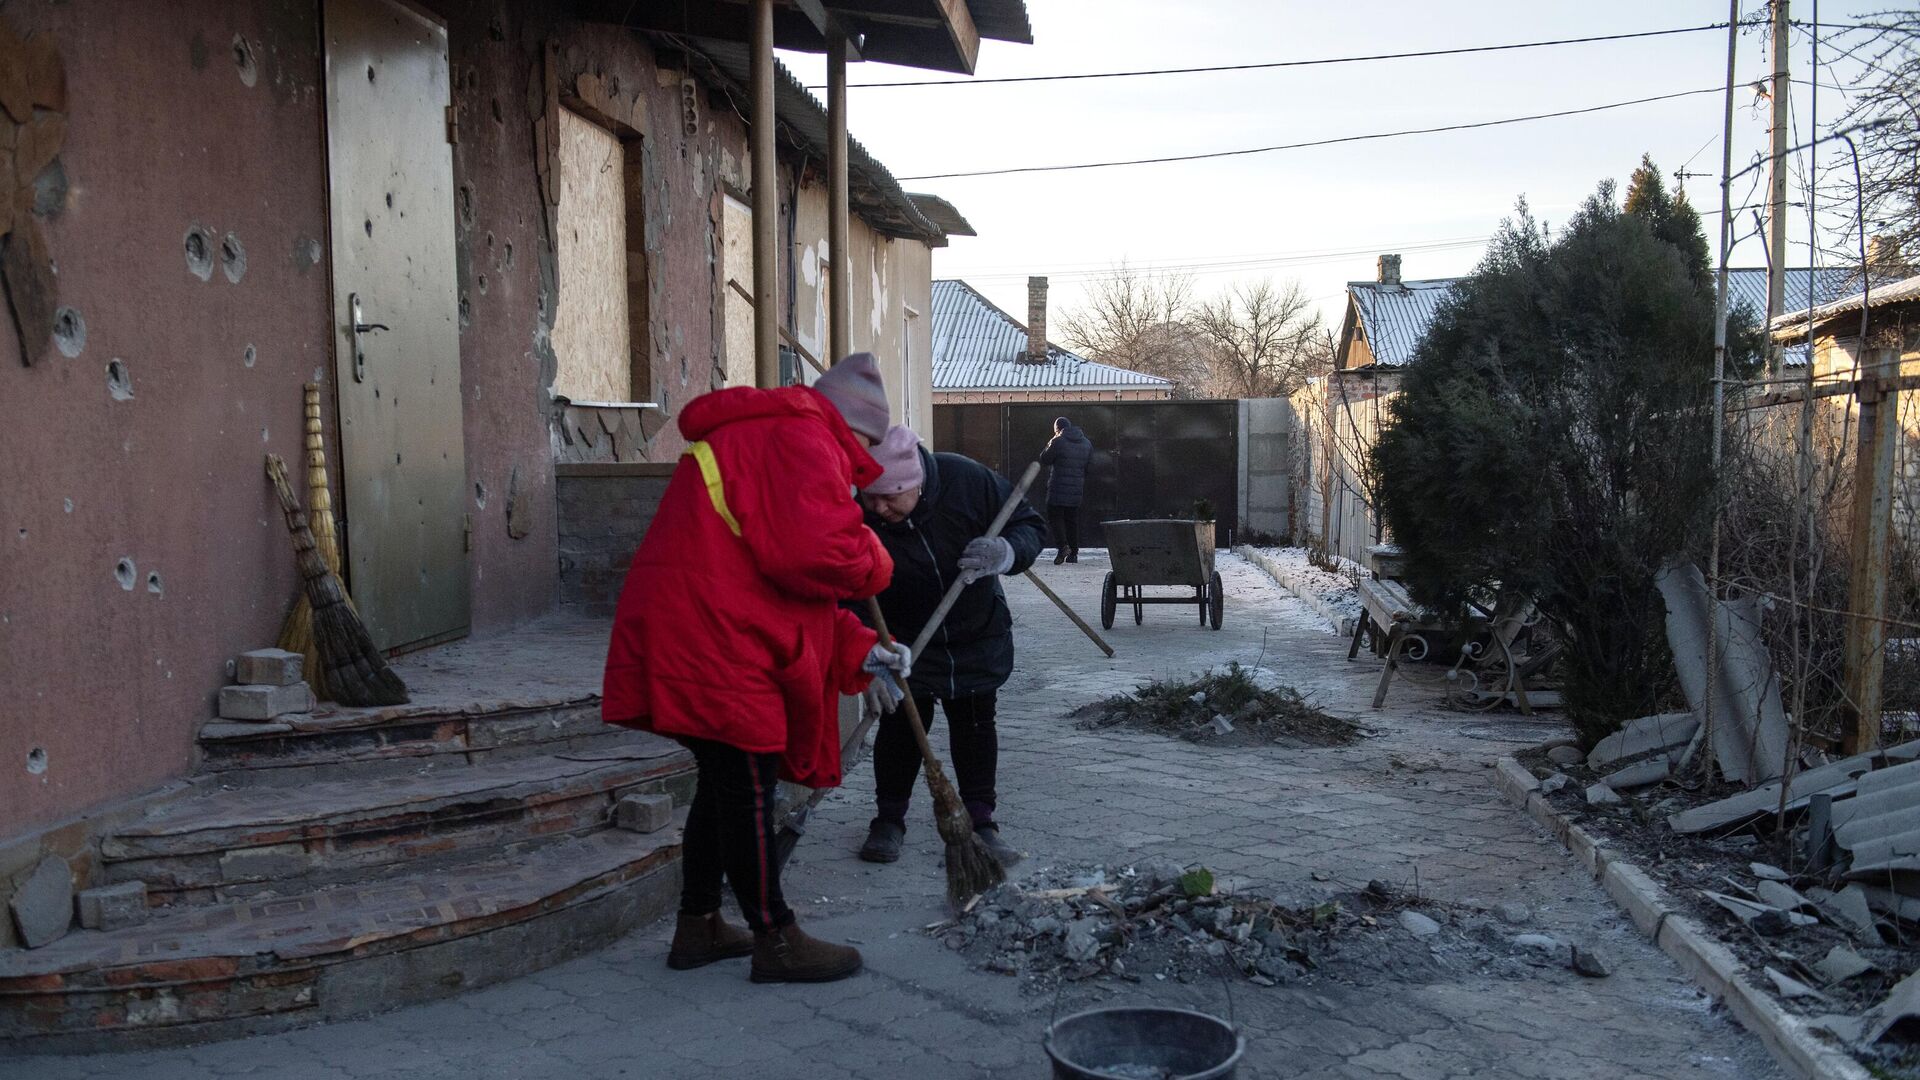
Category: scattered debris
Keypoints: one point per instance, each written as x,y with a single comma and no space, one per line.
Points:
1418,925
1789,987
1554,783
1640,774
1588,963
1537,941
1638,738
1229,704
1841,964
1750,744
1902,1004
1767,873
1565,755
1602,795
1156,920
1850,909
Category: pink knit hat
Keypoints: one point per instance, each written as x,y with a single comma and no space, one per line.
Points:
854,387
899,455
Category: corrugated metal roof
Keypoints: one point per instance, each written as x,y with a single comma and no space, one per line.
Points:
976,346
1001,20
942,213
1895,292
872,192
1880,825
1394,319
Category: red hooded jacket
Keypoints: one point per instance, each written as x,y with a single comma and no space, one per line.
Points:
736,635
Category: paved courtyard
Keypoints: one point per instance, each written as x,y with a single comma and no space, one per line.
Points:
1414,806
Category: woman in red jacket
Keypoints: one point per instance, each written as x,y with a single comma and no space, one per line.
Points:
729,637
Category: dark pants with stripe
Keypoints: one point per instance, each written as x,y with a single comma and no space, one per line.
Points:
730,835
971,738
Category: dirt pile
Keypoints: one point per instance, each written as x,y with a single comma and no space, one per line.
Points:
1157,921
1233,705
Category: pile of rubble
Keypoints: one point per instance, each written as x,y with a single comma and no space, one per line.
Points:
1158,921
1234,705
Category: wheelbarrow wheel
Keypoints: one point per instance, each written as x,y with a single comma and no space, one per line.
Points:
1107,601
1216,600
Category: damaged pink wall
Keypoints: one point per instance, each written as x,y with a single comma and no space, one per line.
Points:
107,672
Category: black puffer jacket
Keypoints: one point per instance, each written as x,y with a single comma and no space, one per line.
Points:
972,652
1068,454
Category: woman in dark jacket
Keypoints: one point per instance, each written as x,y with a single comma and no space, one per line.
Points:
930,511
1067,453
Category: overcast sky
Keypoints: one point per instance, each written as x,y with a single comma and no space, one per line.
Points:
1317,214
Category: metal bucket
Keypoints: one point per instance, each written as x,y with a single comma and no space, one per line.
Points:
1143,1043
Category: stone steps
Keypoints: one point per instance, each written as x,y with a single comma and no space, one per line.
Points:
222,970
214,843
338,743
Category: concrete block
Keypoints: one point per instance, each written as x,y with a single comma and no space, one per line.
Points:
110,907
42,904
268,667
255,702
643,813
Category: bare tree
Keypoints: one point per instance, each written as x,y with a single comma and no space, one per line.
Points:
1883,112
1137,319
1263,340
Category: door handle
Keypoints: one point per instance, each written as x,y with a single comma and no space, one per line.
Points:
355,328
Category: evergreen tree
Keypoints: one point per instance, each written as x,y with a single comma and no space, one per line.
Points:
1551,436
1672,218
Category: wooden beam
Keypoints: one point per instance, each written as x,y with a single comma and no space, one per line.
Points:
766,205
839,261
812,361
966,39
1870,547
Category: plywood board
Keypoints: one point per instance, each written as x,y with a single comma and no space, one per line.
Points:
736,223
591,331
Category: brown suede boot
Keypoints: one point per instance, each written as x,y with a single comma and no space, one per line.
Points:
699,940
789,955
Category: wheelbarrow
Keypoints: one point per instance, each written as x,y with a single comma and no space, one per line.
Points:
1160,552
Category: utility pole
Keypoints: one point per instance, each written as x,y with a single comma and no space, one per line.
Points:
1777,191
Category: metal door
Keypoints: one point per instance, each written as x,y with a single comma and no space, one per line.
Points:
395,313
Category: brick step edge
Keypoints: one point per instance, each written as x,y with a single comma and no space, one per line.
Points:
1340,624
1711,965
415,968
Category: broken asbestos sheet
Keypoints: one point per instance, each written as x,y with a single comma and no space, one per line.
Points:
1749,730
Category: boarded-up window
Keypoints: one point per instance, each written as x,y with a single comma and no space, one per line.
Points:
600,344
736,225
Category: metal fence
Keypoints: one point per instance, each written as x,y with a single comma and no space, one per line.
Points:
1150,458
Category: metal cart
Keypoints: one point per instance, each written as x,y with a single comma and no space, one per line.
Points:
1160,552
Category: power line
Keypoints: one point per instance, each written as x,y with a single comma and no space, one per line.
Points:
1106,266
1318,142
1288,63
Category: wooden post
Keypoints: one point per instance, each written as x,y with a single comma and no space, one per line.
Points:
766,206
1777,190
840,289
1872,527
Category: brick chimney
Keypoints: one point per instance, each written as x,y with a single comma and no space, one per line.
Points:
1036,321
1390,270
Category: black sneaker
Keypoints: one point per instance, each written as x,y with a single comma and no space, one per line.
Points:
1073,556
883,841
1001,851
1059,556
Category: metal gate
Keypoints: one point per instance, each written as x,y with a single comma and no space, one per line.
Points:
1150,458
395,305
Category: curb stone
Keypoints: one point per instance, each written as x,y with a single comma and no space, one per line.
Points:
1711,965
1341,624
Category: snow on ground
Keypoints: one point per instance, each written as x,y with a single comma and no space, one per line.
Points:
1334,588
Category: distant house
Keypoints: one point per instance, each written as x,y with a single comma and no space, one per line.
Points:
982,355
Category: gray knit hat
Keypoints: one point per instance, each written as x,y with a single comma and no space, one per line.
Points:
854,387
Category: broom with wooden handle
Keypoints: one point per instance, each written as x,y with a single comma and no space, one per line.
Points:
796,823
354,669
971,868
296,635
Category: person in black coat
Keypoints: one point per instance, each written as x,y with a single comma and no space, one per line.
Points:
1067,454
931,511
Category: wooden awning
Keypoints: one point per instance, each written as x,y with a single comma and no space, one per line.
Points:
941,35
